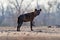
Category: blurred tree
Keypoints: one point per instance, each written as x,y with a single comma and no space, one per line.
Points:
2,16
51,5
17,8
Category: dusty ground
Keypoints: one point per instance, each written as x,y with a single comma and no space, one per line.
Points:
10,33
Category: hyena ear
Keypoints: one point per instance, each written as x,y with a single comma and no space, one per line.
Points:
35,9
40,9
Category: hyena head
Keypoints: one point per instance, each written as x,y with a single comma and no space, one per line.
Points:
38,11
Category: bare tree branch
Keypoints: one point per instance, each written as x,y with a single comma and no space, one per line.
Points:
13,3
2,9
17,6
28,6
2,17
21,3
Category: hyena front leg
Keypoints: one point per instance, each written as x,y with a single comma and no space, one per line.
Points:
31,25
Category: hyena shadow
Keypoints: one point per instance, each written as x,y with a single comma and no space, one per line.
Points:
27,17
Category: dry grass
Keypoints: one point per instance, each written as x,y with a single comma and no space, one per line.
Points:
10,33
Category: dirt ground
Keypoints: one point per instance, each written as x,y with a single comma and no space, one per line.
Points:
10,33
